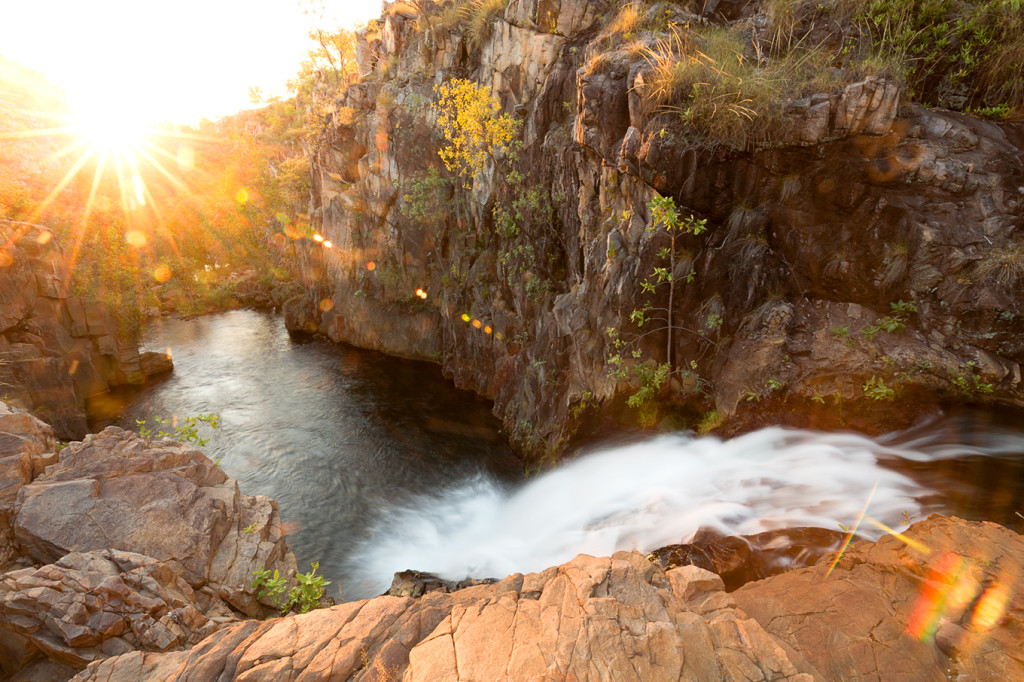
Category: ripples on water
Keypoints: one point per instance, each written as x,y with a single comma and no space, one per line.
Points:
337,435
383,466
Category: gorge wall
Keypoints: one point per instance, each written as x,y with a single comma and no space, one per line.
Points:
863,266
58,351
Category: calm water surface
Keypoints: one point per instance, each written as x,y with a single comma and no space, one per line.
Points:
337,435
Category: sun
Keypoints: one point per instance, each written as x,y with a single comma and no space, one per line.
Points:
110,130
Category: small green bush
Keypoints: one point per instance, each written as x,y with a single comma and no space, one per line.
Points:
305,596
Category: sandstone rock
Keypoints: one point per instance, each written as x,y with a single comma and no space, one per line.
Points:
872,616
616,618
152,363
161,499
72,609
56,351
27,446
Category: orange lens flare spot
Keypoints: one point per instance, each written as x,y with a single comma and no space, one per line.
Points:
477,324
161,273
498,336
421,294
371,265
326,304
135,238
328,244
293,232
487,329
933,601
991,608
318,237
242,196
44,237
465,317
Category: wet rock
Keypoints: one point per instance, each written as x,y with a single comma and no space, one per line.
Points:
415,584
740,560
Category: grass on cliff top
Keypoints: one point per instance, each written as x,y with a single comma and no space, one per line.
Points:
722,95
961,54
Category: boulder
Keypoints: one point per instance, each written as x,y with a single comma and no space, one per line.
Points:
87,606
162,499
612,618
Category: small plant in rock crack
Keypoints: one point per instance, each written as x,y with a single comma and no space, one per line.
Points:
969,384
188,432
305,596
876,389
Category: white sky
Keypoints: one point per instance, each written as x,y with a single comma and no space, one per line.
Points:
173,60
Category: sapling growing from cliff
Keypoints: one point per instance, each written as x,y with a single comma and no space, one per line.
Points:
478,136
664,216
188,432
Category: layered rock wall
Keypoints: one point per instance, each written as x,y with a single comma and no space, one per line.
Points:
784,305
58,351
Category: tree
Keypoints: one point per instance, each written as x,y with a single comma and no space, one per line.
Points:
478,135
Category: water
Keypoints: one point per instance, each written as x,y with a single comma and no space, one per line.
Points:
382,466
337,435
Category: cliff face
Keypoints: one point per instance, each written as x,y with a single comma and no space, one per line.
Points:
866,263
58,351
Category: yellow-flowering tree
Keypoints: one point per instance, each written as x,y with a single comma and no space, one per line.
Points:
478,135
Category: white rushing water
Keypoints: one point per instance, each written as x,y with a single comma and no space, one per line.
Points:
656,493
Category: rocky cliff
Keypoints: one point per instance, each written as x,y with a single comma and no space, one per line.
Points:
864,264
58,351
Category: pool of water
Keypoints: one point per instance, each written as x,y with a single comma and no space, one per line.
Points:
337,435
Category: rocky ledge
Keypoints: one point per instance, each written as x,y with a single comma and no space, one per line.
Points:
117,544
127,559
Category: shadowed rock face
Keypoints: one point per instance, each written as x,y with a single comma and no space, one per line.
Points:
868,200
623,618
58,351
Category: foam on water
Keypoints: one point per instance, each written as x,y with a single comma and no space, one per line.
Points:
656,493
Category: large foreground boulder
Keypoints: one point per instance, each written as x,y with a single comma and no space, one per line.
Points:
618,618
944,600
161,499
119,543
949,598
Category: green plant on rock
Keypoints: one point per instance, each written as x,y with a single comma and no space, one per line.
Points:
876,389
648,376
969,384
188,432
304,597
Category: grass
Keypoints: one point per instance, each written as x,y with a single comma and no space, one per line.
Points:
720,95
1004,267
475,16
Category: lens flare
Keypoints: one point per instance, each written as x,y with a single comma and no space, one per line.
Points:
370,265
318,237
326,305
328,244
135,238
991,608
933,601
161,273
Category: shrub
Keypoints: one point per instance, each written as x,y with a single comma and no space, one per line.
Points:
304,597
478,135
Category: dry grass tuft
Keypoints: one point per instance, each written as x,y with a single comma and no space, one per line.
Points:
1003,267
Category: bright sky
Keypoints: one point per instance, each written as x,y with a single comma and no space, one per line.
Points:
176,61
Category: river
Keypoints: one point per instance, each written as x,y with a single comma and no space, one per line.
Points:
381,465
